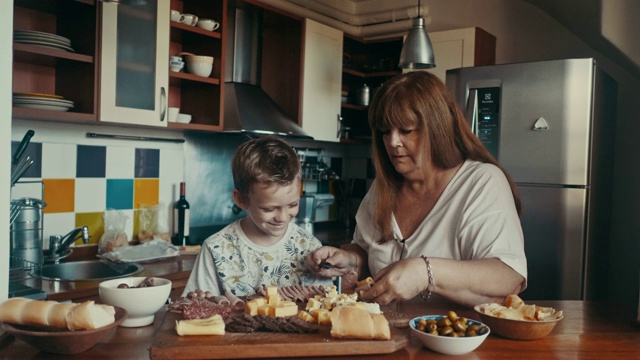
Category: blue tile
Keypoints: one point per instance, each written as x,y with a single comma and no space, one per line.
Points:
147,163
91,161
120,194
34,151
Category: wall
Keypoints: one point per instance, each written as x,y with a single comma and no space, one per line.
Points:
6,39
83,176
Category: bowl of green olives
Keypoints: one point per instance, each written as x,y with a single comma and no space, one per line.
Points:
449,334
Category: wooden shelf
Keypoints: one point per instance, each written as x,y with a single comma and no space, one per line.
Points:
36,114
196,30
370,74
191,77
354,106
44,55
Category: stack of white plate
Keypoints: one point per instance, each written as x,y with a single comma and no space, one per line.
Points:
41,101
42,39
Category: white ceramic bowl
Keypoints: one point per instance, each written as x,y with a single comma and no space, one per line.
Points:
199,68
446,344
199,58
184,118
141,303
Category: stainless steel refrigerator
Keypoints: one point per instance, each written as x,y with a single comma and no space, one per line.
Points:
551,125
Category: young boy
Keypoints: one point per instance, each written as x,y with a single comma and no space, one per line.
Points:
266,247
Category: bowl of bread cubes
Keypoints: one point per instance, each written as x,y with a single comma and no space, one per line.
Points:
59,328
513,319
449,334
141,296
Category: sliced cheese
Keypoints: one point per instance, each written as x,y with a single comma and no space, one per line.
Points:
313,304
273,300
213,325
307,317
272,290
323,316
282,311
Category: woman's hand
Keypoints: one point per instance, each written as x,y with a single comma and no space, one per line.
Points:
399,281
336,262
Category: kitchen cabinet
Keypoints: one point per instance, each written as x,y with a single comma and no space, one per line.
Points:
47,67
322,79
134,63
201,97
367,63
462,48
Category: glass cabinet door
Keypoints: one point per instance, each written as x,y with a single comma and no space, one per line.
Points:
134,63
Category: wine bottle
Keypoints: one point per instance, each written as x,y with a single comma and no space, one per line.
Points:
181,219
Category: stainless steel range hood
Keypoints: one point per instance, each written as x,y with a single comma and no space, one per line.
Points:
247,108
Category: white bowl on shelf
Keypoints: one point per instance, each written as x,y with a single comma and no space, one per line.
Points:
184,118
200,65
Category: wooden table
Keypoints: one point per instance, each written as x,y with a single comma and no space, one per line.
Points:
588,331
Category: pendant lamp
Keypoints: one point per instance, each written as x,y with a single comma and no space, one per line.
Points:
417,52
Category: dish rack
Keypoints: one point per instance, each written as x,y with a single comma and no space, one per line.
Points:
21,269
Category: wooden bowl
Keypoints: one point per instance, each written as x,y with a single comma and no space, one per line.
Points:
517,329
63,341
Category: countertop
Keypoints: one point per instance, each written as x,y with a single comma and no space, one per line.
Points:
176,269
588,330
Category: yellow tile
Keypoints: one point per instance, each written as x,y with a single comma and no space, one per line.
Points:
95,222
59,195
145,191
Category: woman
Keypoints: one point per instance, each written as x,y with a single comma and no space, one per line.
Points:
442,216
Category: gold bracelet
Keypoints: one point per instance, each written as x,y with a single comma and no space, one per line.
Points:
431,285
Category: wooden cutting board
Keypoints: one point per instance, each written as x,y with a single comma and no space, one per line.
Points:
167,344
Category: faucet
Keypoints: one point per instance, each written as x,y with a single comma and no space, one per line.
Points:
58,244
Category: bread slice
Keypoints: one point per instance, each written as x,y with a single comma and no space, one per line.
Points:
11,310
89,315
36,313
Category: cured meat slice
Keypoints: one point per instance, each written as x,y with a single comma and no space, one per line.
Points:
235,301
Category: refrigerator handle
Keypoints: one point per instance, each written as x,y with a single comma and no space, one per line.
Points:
472,110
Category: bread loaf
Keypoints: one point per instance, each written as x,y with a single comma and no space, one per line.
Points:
356,323
72,316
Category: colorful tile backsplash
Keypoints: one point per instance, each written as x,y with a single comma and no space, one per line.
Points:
79,182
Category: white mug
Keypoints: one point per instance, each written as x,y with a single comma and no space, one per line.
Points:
188,19
175,15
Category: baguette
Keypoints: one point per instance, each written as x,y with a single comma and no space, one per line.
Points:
352,322
71,316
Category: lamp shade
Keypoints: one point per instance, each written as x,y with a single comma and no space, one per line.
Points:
417,52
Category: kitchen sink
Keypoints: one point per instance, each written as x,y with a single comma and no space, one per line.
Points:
90,270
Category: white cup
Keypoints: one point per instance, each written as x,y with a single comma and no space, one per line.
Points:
188,19
173,114
208,24
175,15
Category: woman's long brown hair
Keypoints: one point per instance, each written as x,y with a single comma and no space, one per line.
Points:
420,100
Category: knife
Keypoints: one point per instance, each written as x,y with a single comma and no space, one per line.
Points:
22,147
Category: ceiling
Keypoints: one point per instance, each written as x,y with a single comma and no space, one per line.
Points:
607,26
